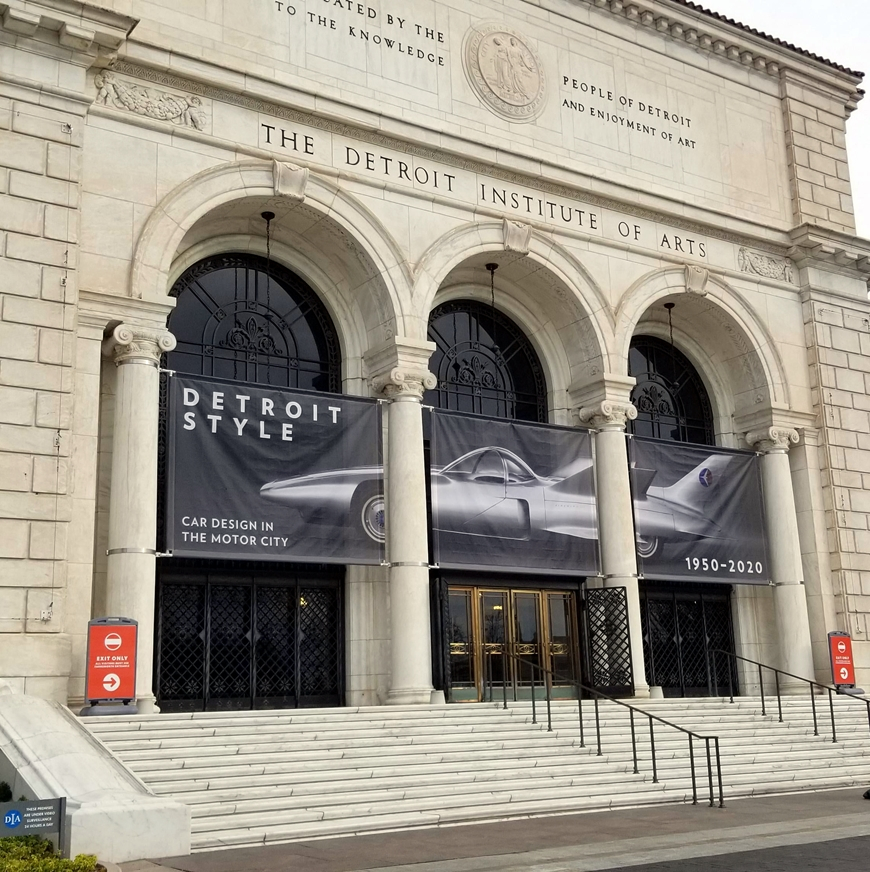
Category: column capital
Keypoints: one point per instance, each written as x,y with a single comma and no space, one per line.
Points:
608,414
400,368
773,440
130,343
404,383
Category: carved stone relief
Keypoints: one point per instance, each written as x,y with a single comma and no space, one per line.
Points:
764,265
185,110
505,72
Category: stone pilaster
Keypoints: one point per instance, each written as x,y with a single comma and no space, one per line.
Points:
398,371
784,553
605,407
133,497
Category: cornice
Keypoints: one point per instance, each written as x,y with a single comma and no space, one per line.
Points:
81,27
211,91
829,250
707,32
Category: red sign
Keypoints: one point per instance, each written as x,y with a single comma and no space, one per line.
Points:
842,667
111,673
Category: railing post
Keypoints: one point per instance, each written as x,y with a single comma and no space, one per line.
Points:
868,711
597,727
813,701
633,741
580,715
761,690
532,670
548,684
504,663
778,697
709,770
692,767
833,723
719,773
652,745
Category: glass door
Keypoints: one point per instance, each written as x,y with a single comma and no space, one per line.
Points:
537,627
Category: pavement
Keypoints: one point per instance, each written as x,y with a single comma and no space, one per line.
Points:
806,831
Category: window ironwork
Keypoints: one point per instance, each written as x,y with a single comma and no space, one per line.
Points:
242,318
484,364
671,400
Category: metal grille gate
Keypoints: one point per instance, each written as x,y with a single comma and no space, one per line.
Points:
229,641
679,627
608,643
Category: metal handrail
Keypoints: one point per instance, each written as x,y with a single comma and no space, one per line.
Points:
776,674
547,678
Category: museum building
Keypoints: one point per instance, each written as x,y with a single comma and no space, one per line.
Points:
364,352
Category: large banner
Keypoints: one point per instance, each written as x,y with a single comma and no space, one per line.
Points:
511,495
698,513
259,473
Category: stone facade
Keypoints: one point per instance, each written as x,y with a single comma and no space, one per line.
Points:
610,156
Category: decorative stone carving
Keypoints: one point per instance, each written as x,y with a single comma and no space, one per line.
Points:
764,265
608,413
181,109
517,236
773,439
504,71
404,383
289,180
696,280
128,343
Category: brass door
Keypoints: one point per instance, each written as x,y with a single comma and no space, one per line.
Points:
537,627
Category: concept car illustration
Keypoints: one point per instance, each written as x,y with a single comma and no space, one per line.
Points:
494,493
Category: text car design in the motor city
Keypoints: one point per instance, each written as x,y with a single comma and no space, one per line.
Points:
494,493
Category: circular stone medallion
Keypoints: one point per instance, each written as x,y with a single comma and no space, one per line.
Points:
504,71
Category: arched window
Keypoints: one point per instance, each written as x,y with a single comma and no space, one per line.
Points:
672,402
484,364
241,318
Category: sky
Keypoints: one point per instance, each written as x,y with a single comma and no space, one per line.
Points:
835,29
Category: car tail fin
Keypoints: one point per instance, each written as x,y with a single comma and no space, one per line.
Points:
641,479
696,488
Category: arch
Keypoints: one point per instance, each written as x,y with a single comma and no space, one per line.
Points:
718,331
226,201
546,291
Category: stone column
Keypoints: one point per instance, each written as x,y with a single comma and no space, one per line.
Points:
133,496
407,524
615,516
784,552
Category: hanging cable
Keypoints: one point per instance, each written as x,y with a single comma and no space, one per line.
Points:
268,217
670,308
492,267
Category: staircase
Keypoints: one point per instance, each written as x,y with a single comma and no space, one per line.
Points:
278,776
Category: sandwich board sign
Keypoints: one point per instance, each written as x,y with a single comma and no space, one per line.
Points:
842,665
111,660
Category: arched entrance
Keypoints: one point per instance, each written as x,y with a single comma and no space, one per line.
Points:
245,634
486,365
680,621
